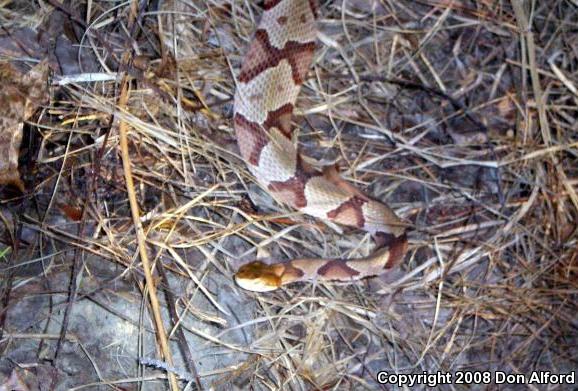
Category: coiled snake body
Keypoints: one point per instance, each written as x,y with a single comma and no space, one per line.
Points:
271,76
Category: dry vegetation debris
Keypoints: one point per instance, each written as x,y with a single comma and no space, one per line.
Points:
461,114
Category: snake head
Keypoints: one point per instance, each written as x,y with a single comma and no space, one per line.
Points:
259,277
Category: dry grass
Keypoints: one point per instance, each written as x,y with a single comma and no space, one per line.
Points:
461,114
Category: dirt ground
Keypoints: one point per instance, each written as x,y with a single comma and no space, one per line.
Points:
461,115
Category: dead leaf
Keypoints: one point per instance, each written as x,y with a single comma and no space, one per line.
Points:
21,95
73,213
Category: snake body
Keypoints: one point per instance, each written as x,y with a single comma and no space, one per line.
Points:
270,79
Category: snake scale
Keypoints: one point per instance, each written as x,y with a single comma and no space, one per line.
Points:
270,79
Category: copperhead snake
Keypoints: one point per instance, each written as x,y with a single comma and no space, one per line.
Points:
270,79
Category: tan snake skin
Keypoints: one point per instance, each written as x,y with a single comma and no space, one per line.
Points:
271,76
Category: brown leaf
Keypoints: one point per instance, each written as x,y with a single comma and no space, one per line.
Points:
74,213
21,95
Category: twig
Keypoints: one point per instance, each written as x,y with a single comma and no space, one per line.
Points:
181,373
141,239
183,345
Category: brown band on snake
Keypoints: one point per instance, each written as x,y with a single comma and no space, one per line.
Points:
251,138
280,119
262,56
397,249
349,211
292,191
313,6
270,79
268,4
337,269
